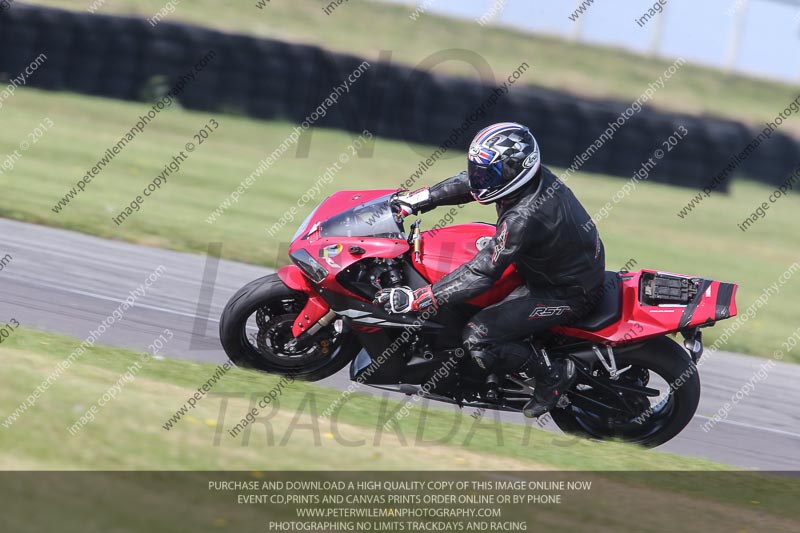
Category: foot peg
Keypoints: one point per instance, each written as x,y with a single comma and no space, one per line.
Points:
492,385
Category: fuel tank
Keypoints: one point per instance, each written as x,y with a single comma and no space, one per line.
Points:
443,250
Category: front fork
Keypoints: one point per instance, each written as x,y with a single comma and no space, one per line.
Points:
316,314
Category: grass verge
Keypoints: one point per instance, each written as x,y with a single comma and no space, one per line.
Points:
292,436
127,434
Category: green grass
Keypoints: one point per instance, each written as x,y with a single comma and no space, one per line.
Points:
644,226
39,439
594,71
127,434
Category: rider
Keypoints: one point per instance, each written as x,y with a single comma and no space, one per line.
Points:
543,230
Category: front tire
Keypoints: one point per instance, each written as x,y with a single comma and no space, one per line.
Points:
657,423
255,328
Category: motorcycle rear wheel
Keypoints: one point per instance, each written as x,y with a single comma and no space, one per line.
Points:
657,423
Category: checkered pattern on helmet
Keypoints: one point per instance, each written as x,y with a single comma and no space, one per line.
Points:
511,145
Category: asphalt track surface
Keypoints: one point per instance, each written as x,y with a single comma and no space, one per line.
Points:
66,282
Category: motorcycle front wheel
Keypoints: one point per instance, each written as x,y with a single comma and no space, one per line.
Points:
256,329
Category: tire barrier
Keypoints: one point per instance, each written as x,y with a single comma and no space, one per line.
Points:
126,58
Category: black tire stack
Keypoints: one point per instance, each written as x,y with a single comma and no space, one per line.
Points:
127,58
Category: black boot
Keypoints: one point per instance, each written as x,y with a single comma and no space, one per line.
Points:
549,388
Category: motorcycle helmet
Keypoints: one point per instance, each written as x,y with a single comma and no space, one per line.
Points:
502,158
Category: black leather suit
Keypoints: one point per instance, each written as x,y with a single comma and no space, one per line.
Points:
546,233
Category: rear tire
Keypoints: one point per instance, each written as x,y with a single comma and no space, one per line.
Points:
666,358
275,305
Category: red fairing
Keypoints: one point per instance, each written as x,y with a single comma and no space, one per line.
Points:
716,302
315,308
441,251
293,277
334,254
444,250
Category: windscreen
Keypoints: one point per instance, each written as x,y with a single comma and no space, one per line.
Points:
370,219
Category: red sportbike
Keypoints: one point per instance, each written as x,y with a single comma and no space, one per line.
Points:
312,318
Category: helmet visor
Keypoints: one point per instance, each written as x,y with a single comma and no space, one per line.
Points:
483,177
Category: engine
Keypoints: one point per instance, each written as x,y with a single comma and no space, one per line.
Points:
371,275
